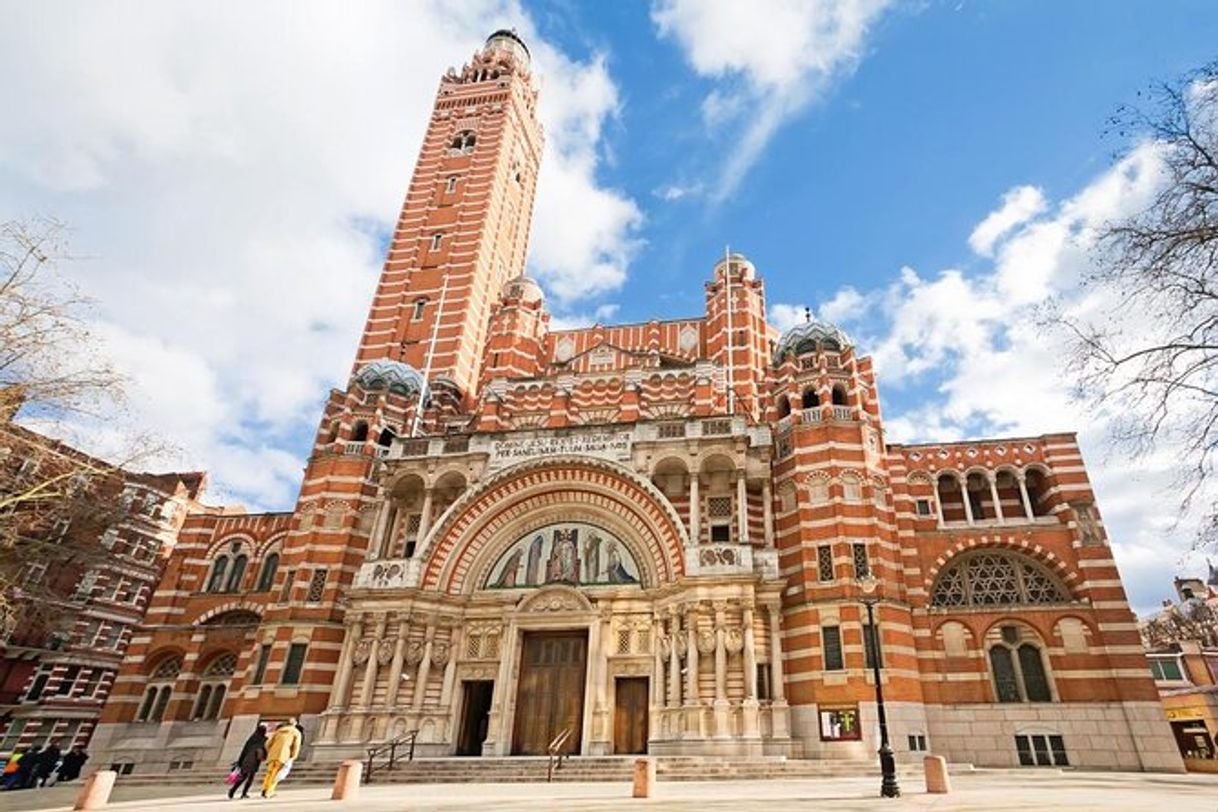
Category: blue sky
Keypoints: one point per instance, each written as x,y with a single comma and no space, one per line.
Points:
929,175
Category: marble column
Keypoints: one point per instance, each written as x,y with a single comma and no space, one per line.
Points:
376,545
370,666
742,508
939,504
674,660
750,715
780,720
425,518
691,657
694,509
657,666
997,502
395,668
450,667
722,718
1023,495
968,505
420,684
342,683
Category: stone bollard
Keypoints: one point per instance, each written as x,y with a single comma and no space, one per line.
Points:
95,794
937,781
644,777
346,783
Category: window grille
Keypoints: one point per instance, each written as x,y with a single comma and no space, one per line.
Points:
670,431
317,585
473,646
623,641
862,567
824,561
831,643
719,507
713,427
873,648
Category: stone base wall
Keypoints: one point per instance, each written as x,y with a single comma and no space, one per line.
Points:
1108,735
904,719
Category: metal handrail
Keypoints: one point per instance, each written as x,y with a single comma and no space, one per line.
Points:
555,751
392,749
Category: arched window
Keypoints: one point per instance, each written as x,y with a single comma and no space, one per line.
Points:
996,578
1038,490
810,399
213,686
159,690
420,305
360,433
784,405
234,577
266,578
839,395
216,582
463,142
1017,665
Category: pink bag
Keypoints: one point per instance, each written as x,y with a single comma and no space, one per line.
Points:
234,776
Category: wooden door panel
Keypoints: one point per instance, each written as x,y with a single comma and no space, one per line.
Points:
630,715
550,693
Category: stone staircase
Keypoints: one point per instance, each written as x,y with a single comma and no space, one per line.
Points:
516,769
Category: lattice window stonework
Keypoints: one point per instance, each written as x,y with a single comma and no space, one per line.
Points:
669,431
623,641
862,567
222,666
317,586
824,562
996,578
719,507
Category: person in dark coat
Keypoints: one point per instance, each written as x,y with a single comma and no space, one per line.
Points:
253,753
48,760
70,769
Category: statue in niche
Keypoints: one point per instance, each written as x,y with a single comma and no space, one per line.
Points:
592,558
618,574
507,577
532,573
563,566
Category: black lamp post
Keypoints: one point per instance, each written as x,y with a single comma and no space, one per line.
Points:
888,763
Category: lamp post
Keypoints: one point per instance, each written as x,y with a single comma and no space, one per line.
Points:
888,763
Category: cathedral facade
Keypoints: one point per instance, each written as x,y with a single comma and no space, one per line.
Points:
653,537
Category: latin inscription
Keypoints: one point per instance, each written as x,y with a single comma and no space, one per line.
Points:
609,445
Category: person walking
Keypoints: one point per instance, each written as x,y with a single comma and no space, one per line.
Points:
252,755
48,760
282,748
287,766
69,770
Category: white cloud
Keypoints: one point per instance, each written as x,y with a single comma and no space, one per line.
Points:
971,357
786,316
1018,206
770,59
229,173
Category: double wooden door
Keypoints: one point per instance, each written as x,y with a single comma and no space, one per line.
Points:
550,694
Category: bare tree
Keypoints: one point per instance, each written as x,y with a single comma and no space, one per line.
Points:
55,502
1147,353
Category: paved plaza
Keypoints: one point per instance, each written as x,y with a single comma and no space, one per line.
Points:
990,790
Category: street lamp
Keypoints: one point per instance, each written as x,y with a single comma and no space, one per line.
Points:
888,764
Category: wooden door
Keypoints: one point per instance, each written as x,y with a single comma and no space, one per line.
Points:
550,694
476,704
630,715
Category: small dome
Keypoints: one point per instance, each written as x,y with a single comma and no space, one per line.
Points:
509,41
805,337
395,376
737,262
523,288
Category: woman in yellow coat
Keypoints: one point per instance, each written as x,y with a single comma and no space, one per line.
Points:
282,748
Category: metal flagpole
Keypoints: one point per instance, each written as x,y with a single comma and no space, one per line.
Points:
731,379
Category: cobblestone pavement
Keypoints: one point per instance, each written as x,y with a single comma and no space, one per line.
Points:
989,790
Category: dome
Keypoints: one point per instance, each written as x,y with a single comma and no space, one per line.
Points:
803,337
736,262
509,41
523,288
395,376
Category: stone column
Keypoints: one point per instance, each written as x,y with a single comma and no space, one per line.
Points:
497,740
674,660
939,505
424,519
657,666
720,652
750,714
1023,496
691,657
340,697
370,666
968,506
694,508
997,502
450,667
742,508
420,685
767,503
376,545
776,686
395,667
